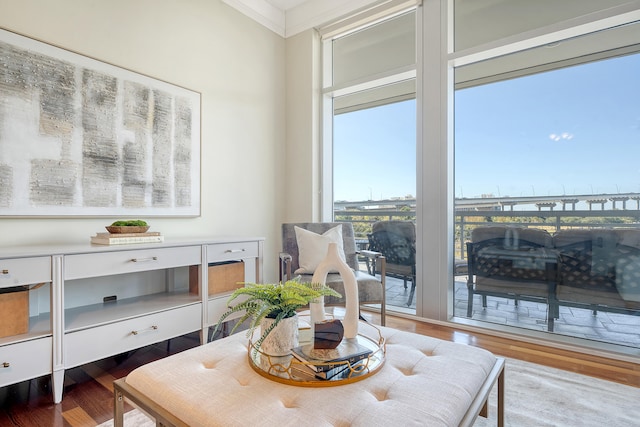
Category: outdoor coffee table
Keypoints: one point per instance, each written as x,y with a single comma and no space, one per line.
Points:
424,381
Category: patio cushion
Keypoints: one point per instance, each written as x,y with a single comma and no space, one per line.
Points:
594,298
534,236
588,258
628,278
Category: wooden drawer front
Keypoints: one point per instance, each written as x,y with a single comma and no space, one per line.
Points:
24,271
25,360
97,343
232,251
108,263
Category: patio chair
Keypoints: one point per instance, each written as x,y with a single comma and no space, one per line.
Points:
304,245
515,263
396,241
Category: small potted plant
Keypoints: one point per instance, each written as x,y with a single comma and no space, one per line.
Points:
128,226
270,306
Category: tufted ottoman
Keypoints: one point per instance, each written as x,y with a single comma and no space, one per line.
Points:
424,382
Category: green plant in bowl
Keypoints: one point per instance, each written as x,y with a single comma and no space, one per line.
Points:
130,223
128,226
275,301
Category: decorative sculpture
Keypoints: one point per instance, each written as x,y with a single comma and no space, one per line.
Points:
333,262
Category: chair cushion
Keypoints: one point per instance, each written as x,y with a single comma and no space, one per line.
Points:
628,278
514,237
369,289
313,247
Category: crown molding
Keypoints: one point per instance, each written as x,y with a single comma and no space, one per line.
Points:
316,13
309,14
262,12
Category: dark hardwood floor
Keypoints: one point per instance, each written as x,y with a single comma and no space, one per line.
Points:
88,390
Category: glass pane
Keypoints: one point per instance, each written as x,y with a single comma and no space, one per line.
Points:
374,176
547,195
482,21
377,49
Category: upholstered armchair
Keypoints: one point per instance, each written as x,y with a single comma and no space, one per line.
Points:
396,241
304,245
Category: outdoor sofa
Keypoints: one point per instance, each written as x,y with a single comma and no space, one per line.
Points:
597,269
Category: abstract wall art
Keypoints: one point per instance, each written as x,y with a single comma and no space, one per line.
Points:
80,137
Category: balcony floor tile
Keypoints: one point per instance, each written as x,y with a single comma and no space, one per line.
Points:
613,328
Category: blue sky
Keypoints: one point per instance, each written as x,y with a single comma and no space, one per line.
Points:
375,152
570,131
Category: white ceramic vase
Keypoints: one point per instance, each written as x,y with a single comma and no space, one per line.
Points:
333,262
282,338
276,348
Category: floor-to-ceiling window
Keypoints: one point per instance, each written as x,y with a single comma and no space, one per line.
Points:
373,146
374,179
474,117
546,184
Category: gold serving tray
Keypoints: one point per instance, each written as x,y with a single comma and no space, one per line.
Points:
287,369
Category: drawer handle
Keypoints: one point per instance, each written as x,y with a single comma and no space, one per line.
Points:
153,258
152,328
5,271
6,364
233,251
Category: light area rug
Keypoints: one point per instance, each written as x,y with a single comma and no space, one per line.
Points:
537,396
540,396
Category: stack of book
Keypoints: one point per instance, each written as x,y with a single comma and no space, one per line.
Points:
328,363
126,238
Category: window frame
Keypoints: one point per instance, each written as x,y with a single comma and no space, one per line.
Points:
434,145
445,219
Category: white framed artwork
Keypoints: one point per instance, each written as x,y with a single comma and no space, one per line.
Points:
80,137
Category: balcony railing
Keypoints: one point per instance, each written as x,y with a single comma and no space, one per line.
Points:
471,213
570,318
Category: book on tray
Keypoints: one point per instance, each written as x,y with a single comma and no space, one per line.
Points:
305,372
126,238
348,352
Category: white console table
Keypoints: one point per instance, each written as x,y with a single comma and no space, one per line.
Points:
98,301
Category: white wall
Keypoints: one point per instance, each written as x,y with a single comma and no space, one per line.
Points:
235,63
302,155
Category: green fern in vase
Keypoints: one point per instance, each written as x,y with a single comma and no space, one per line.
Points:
275,301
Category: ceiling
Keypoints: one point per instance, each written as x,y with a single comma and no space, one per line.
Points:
290,17
286,4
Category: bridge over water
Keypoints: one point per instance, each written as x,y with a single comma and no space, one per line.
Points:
603,201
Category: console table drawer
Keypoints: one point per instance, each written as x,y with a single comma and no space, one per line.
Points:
97,343
232,251
109,263
24,271
25,360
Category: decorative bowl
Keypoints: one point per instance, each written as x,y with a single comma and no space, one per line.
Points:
119,229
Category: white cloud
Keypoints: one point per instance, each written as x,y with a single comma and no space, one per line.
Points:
566,136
